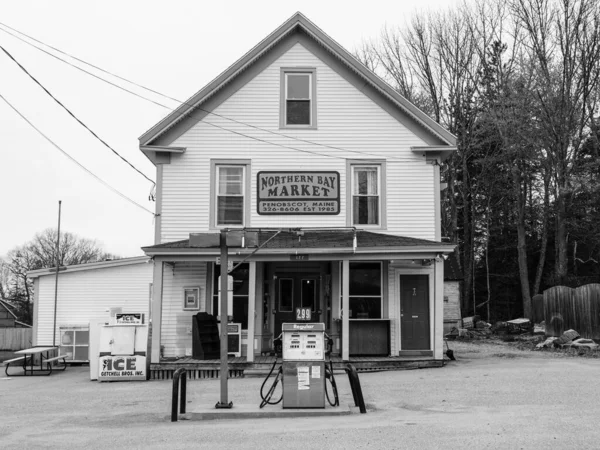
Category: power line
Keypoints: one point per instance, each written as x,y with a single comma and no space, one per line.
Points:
164,106
83,61
73,115
185,103
73,159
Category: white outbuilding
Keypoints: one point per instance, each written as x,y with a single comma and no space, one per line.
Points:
87,294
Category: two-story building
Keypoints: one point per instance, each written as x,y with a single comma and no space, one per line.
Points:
327,184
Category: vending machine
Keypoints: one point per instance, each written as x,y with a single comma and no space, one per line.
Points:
122,349
303,352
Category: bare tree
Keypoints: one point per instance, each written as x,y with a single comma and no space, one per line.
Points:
563,40
15,285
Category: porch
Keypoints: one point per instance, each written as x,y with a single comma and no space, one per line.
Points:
241,367
280,273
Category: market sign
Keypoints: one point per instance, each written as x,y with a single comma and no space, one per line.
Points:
290,192
122,368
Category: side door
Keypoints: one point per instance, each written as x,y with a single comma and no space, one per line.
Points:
295,291
414,312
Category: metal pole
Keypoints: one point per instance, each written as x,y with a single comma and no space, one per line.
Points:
224,371
56,279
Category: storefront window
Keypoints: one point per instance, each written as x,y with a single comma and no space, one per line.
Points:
365,290
240,293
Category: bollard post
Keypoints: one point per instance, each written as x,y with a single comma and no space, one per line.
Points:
182,400
356,389
175,393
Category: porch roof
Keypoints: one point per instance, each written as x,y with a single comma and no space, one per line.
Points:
306,241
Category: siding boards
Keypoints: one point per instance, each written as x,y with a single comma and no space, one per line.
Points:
346,119
85,296
176,326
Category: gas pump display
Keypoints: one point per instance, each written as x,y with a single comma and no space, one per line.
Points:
303,365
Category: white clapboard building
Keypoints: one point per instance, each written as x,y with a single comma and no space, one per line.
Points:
87,294
324,183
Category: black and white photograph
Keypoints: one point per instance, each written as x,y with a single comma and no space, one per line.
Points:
339,225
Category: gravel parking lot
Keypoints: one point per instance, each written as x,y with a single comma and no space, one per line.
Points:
492,396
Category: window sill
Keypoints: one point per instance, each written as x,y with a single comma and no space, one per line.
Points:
369,227
298,127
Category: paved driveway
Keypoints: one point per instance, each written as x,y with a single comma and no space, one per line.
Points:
486,399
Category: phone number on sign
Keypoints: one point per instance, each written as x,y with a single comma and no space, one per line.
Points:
299,207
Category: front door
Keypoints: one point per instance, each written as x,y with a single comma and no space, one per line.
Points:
296,293
414,312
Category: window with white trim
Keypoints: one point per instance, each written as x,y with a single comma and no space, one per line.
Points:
298,92
230,190
366,198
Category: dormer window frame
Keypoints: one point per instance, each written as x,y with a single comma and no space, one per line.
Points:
311,99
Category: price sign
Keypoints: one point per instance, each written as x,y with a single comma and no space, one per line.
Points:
303,314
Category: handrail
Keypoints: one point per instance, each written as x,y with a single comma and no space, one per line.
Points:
356,389
176,391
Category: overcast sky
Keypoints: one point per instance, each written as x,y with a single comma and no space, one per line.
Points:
173,47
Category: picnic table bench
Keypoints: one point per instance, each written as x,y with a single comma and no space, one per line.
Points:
27,361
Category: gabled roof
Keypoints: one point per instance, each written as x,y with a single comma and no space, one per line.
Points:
306,240
8,308
297,23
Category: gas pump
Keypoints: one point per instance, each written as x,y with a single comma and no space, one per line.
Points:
303,369
303,352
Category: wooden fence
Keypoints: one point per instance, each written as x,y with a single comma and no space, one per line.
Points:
537,308
15,338
578,309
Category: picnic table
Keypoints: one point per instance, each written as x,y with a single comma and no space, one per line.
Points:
28,357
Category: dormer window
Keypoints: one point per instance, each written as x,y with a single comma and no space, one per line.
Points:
298,102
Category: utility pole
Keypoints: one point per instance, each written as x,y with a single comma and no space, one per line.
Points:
224,370
56,279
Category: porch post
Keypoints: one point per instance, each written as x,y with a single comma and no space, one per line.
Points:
156,315
346,310
251,309
438,308
224,368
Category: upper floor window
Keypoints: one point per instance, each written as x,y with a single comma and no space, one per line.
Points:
298,103
230,195
366,201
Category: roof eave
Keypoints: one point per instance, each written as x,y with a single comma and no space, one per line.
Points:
89,266
438,152
152,152
297,20
217,83
402,250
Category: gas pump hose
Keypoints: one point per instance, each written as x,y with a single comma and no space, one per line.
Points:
266,399
329,376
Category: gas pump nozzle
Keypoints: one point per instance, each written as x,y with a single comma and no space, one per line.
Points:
277,344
